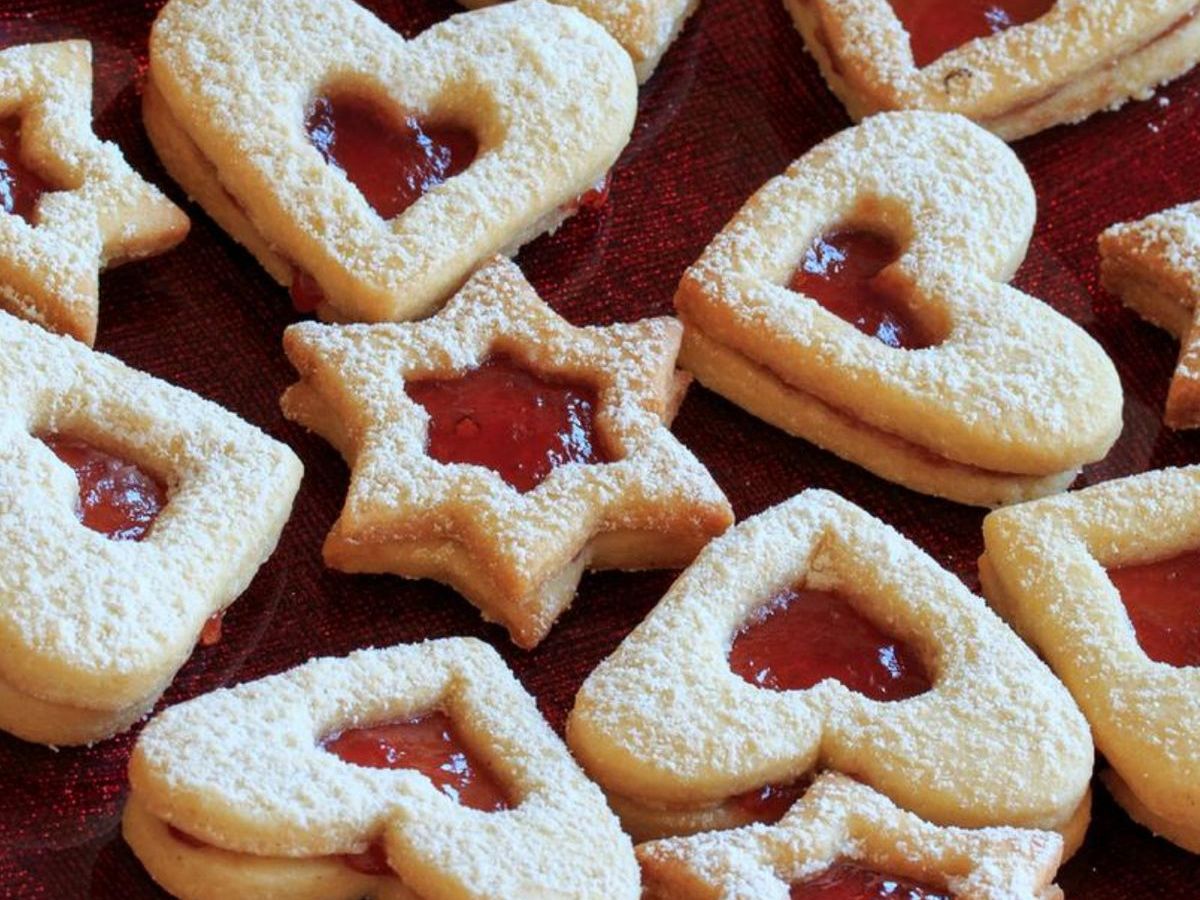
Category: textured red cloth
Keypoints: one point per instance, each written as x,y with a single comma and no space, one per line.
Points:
734,102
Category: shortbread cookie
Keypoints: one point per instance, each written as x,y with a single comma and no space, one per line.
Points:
814,636
373,174
1014,66
70,205
415,771
645,28
110,572
1153,265
501,450
1105,583
859,301
842,833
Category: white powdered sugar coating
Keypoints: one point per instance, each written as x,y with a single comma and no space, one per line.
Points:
1013,386
837,820
97,624
244,769
550,96
356,375
645,28
664,722
1082,56
1045,570
99,210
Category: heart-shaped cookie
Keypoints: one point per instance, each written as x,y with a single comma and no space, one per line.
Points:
1014,66
645,28
279,116
93,629
1105,583
681,742
297,786
859,301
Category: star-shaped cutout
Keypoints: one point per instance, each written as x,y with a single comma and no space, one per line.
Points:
97,211
517,556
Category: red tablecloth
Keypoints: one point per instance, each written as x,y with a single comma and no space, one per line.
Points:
734,102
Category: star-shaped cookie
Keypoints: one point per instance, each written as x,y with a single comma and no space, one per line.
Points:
1153,265
842,831
644,501
95,210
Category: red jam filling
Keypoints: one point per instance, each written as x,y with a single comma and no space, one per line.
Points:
306,293
429,744
510,420
210,635
838,271
596,197
116,498
392,162
801,637
1163,602
20,186
771,802
846,881
935,27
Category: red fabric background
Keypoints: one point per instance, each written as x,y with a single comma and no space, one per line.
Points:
734,102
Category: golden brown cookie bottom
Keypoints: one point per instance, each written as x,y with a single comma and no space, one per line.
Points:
1109,85
761,393
202,872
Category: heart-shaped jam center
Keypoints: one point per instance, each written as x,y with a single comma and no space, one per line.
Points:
392,160
116,497
1163,602
847,881
20,186
801,637
935,27
429,744
839,271
510,420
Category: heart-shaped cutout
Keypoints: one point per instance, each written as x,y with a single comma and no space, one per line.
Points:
964,387
94,629
238,789
547,95
676,738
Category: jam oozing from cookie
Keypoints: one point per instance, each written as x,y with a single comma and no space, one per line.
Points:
392,162
210,635
306,293
847,881
801,637
1163,602
20,186
935,27
838,271
771,802
116,497
510,420
594,198
429,744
